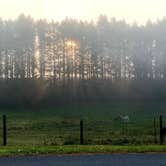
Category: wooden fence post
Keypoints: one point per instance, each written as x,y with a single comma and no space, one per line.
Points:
161,126
4,131
81,132
155,132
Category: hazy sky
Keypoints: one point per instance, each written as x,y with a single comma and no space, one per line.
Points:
139,10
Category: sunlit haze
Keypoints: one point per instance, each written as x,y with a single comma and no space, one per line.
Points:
130,10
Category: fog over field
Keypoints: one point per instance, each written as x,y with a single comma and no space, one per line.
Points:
82,72
56,52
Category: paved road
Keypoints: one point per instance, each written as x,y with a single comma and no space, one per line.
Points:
88,160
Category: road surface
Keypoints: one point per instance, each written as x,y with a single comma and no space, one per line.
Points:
88,160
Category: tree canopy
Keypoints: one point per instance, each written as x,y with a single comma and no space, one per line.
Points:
76,60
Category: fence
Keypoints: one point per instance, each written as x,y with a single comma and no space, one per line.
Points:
55,131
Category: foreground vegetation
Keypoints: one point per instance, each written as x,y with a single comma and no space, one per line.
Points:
60,126
78,149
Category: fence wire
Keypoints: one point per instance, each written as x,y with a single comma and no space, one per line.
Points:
25,131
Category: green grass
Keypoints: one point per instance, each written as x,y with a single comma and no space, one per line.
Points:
60,126
78,149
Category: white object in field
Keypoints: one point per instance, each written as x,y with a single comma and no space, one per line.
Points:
124,119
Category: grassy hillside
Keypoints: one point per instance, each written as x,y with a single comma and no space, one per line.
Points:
60,126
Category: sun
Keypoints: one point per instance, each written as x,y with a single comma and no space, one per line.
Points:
71,46
70,43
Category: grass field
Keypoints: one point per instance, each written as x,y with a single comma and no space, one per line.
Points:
60,126
78,149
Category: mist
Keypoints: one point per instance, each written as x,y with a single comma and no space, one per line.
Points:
51,62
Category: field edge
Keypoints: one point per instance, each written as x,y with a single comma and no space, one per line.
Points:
78,149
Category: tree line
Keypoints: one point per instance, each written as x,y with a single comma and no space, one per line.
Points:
71,59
